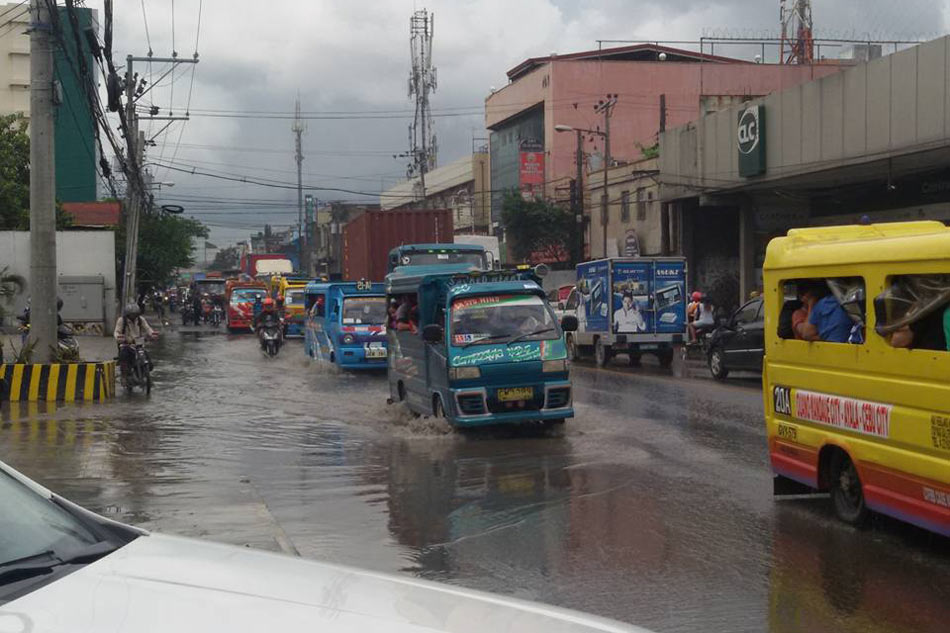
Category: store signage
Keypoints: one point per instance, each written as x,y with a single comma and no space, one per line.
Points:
531,172
750,141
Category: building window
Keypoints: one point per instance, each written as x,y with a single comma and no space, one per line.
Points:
625,206
641,206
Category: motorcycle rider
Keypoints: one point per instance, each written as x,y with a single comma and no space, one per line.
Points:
130,328
268,317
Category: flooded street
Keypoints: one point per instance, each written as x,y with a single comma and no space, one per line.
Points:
653,506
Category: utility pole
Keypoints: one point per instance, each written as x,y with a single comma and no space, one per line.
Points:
298,128
579,195
137,196
43,310
605,107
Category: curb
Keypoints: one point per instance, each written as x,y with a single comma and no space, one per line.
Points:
66,382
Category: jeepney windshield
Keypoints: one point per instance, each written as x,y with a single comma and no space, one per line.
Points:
364,311
293,298
501,318
435,258
246,295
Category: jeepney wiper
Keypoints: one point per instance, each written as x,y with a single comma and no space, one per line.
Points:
482,340
521,337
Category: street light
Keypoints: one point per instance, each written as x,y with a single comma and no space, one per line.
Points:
579,209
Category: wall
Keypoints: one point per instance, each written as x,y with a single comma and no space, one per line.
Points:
893,105
78,253
505,148
636,177
15,60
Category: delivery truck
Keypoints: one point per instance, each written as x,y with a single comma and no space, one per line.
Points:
628,306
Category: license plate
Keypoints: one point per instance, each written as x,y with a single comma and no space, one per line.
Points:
515,393
375,352
649,346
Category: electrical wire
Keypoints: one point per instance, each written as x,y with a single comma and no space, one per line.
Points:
148,37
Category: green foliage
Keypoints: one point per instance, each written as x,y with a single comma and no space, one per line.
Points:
653,151
538,229
15,177
14,172
226,259
164,246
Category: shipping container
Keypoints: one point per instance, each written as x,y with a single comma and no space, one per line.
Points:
368,239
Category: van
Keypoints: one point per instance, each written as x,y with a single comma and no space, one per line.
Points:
857,386
346,324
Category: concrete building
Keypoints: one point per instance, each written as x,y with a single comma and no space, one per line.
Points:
75,150
462,185
873,140
328,236
635,223
563,89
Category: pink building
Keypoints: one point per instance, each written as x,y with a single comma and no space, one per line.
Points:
563,90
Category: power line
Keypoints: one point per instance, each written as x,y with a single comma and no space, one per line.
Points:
148,38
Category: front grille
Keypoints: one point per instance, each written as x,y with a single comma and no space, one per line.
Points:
558,398
471,404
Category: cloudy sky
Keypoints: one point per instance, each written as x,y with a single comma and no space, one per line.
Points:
350,61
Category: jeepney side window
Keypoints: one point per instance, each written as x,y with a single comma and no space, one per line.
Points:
320,306
823,309
913,312
404,312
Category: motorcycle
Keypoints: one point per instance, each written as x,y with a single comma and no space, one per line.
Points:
206,311
271,339
188,315
66,343
138,372
217,314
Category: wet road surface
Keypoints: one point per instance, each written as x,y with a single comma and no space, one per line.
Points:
653,506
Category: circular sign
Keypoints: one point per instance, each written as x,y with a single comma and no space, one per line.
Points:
748,133
173,208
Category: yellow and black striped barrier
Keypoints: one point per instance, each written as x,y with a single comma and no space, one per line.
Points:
64,382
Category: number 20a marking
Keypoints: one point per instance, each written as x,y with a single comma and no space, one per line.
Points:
782,400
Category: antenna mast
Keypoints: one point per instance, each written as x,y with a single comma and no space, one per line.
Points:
422,81
798,40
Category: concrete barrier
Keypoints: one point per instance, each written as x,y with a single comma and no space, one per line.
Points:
64,382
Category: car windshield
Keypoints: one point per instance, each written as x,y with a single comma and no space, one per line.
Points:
364,310
293,298
247,295
31,524
430,258
502,317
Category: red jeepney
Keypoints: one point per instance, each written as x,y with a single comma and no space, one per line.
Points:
240,297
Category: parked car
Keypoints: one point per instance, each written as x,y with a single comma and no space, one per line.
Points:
739,342
63,568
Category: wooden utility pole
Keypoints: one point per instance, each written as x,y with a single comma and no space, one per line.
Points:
43,311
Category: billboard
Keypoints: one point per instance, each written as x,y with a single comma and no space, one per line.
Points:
531,168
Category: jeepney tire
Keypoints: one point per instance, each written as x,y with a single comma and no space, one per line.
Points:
633,358
571,348
601,353
847,495
665,356
438,410
717,364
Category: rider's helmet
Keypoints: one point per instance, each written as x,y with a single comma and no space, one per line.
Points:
697,296
268,303
131,311
59,303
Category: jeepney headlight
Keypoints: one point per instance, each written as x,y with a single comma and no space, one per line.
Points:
552,366
464,373
348,339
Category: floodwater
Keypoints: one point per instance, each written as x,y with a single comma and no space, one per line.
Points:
652,506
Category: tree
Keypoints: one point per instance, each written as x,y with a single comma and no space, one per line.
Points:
15,177
14,172
226,259
164,246
538,229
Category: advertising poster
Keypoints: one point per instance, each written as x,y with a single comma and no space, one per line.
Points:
531,167
670,294
632,296
594,294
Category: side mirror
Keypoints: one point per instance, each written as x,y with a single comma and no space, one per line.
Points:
560,305
569,323
433,333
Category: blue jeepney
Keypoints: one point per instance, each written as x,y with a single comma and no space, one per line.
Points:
480,347
463,255
346,324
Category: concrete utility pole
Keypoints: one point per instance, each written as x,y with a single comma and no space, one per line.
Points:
298,128
605,107
43,289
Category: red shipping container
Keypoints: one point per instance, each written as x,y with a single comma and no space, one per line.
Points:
368,239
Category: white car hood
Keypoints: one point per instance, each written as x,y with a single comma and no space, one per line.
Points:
162,583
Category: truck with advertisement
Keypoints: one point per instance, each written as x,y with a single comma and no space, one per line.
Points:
254,264
631,306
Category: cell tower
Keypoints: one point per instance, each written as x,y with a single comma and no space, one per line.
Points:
798,42
422,81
